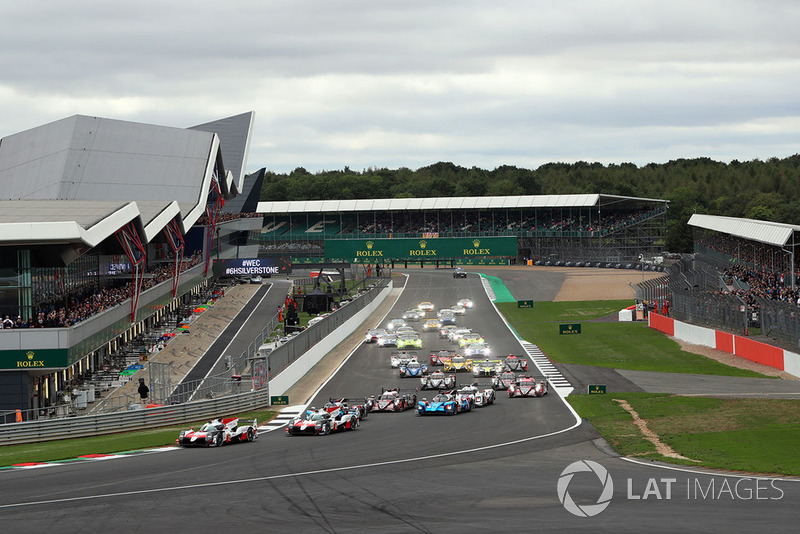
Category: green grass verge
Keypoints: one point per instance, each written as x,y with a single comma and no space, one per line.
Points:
753,435
631,345
67,449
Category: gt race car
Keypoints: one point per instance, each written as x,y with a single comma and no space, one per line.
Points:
409,341
437,380
459,273
219,432
387,340
476,350
467,303
393,400
373,335
526,386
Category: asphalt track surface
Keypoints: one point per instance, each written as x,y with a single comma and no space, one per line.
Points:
495,469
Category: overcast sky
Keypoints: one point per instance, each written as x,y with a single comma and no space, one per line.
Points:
387,83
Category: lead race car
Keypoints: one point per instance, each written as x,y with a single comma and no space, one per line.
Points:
527,386
437,380
219,432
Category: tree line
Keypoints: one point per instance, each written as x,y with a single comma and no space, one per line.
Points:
763,190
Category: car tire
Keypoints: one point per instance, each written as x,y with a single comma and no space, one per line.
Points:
354,424
218,440
250,434
326,429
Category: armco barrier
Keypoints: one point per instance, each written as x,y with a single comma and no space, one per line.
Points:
741,346
179,414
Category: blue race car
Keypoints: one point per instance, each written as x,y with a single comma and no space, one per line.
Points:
413,369
443,403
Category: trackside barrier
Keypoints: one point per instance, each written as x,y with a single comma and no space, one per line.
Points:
741,346
145,419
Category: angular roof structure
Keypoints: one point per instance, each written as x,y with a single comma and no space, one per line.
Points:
771,233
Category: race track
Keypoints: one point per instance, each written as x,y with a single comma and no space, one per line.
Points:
494,469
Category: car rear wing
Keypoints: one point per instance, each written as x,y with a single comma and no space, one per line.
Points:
404,391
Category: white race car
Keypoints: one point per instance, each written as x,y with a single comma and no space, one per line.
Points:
398,358
438,380
480,396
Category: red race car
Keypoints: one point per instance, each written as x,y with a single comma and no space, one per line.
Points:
393,400
527,386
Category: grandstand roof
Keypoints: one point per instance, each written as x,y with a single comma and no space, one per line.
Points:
446,203
772,233
80,179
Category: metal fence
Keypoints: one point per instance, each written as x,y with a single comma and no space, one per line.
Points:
779,320
78,427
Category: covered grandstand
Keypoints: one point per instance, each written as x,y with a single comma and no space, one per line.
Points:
99,237
586,227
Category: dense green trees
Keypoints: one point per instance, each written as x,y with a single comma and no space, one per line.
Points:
764,190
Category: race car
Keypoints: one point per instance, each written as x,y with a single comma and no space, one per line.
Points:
405,330
431,325
373,335
486,367
457,363
443,403
515,363
426,306
219,432
447,317
359,406
396,359
479,396
456,334
392,400
437,380
526,386
458,309
476,350
503,380
408,340
459,273
444,331
387,340
467,303
394,324
413,369
413,315
470,338
322,422
439,357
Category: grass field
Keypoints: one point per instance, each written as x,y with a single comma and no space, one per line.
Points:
631,345
50,451
753,435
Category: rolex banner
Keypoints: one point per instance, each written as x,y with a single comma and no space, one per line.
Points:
436,248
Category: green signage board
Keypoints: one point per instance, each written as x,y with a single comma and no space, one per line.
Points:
524,304
574,328
596,389
282,400
430,248
35,359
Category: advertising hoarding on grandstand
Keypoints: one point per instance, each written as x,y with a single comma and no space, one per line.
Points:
436,248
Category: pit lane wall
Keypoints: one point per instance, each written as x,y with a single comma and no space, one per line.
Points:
281,383
741,346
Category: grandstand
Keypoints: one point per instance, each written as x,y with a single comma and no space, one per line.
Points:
563,227
101,238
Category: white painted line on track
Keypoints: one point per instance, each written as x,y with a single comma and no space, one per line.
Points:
707,473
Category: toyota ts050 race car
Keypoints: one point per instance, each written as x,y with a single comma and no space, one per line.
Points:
479,396
358,405
486,367
438,380
515,363
441,356
526,386
393,400
413,369
219,432
443,404
503,380
457,363
398,358
322,422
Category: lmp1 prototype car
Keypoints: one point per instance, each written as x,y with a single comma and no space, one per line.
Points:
219,432
503,380
526,386
360,406
441,356
486,367
443,403
392,400
515,363
322,422
458,363
396,359
437,380
413,369
480,396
